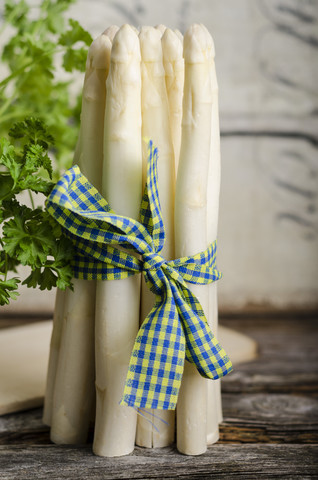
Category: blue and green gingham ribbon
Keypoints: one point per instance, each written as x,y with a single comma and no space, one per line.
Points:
176,327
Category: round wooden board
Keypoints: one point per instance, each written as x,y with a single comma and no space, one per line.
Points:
239,347
24,355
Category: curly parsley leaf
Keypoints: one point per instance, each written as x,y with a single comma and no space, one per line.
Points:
44,278
56,272
30,236
75,55
15,11
27,237
35,156
23,165
38,44
8,290
9,160
7,263
32,130
6,186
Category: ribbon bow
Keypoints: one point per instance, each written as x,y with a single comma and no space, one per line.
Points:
176,327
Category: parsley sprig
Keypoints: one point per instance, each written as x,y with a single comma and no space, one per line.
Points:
40,42
30,236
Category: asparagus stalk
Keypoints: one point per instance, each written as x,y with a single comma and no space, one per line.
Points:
161,28
90,159
179,35
54,355
74,383
118,301
191,219
96,57
214,388
174,73
111,31
151,430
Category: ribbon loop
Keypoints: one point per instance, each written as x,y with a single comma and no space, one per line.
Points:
176,328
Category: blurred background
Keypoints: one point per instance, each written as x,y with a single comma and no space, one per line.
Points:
266,60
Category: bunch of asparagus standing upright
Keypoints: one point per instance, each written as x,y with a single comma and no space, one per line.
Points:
151,83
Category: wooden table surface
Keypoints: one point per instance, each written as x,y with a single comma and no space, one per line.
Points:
270,427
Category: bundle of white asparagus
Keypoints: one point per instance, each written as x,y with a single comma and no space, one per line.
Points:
151,83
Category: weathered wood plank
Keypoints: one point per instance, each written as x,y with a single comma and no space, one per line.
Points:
248,418
252,379
288,355
263,418
24,428
264,434
220,461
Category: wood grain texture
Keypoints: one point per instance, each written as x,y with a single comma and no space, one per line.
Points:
270,427
220,461
288,355
275,418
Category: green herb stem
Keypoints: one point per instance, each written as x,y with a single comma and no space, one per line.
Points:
31,199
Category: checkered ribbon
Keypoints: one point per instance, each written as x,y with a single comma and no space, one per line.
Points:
176,327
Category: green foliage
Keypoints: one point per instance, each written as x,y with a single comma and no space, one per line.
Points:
74,57
40,43
30,236
8,290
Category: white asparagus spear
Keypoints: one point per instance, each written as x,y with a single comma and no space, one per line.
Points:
74,384
77,148
118,301
179,35
97,58
214,388
152,431
135,29
161,28
111,31
172,50
93,107
191,219
214,406
54,355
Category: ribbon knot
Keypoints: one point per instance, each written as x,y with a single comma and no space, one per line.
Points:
152,261
176,328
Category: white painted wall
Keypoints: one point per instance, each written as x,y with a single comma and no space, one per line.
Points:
268,75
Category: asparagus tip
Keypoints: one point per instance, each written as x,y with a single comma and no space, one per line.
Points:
125,44
179,35
171,46
150,44
162,28
198,45
99,53
111,31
